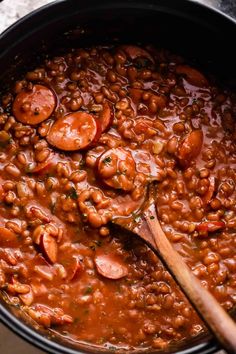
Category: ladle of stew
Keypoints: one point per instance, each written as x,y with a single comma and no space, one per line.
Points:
215,317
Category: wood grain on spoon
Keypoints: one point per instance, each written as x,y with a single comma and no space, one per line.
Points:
216,318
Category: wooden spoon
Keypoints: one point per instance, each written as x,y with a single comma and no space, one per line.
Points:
216,318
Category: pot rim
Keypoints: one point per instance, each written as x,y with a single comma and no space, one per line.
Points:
9,319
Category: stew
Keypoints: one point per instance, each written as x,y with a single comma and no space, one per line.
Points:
81,137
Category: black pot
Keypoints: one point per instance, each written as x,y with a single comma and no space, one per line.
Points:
200,33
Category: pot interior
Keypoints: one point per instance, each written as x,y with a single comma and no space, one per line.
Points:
190,30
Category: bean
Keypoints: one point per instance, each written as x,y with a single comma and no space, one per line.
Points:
172,145
14,227
42,155
78,176
95,220
9,185
179,128
210,258
111,76
23,190
104,231
12,170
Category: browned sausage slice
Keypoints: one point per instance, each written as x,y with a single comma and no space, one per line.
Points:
109,267
35,106
74,131
117,168
190,147
193,76
106,117
134,52
75,268
49,247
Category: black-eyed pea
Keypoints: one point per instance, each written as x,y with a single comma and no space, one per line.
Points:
78,176
179,321
42,155
51,183
14,226
10,197
12,170
210,258
104,231
95,220
8,186
172,145
40,188
97,196
90,160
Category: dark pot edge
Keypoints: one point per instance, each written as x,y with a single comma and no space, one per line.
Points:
6,317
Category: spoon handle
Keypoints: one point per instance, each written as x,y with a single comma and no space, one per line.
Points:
216,318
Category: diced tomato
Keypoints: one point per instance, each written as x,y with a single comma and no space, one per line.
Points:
209,226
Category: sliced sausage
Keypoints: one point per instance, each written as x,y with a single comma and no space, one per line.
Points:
117,168
74,131
106,117
109,267
75,268
193,76
49,247
35,106
133,52
190,147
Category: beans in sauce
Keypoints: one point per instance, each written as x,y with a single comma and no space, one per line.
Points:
81,137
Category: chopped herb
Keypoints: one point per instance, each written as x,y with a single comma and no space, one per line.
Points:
29,168
107,160
72,194
136,217
36,113
152,217
88,290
